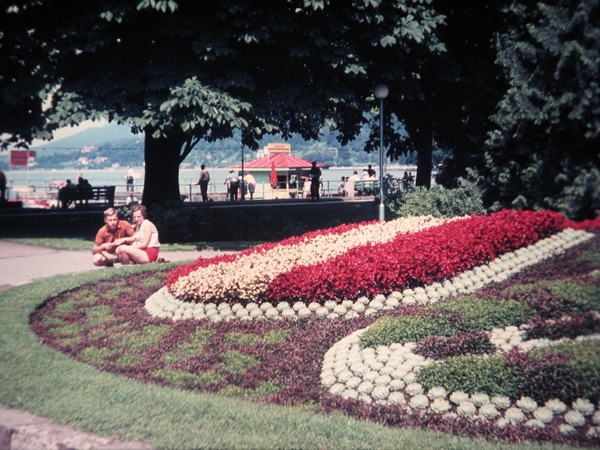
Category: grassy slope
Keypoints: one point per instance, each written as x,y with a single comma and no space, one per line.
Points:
45,382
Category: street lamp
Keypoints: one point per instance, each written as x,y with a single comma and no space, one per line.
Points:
242,178
381,91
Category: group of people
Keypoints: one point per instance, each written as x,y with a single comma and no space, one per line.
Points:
119,242
232,181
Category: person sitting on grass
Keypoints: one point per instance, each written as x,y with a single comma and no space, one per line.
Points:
145,248
114,234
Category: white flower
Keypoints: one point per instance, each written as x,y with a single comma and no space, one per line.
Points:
383,380
414,389
514,415
396,385
556,406
353,382
584,406
321,311
363,300
365,387
371,376
544,414
440,406
313,306
458,397
271,313
359,307
345,375
330,304
304,312
596,418
359,369
337,389
339,310
282,306
380,393
566,429
575,418
297,306
466,409
489,411
501,401
350,393
593,432
502,422
480,399
419,402
397,398
527,404
437,392
534,423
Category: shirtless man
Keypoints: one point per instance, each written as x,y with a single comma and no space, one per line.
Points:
114,233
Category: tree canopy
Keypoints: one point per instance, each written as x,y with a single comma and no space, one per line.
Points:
544,150
183,71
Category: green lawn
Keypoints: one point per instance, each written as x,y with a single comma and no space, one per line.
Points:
48,383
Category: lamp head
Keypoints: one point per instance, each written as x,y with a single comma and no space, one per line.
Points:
381,91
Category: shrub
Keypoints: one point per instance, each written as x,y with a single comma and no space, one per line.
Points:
438,202
471,374
582,324
583,358
485,314
440,347
586,295
546,378
402,329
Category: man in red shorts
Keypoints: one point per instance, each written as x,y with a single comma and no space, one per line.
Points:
114,233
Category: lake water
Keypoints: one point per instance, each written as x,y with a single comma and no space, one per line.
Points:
40,180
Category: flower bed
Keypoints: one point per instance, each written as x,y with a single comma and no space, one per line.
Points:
350,262
296,361
164,305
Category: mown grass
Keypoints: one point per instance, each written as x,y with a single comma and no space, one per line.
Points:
43,381
80,243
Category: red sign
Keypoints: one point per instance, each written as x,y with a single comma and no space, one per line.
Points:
21,157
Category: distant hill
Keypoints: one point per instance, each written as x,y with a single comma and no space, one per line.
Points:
108,135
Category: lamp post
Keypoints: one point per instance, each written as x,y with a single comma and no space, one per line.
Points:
381,91
242,178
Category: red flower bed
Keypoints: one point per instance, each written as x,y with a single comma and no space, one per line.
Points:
183,271
415,259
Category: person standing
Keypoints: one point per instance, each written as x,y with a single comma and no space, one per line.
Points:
114,234
203,182
2,187
233,184
315,181
251,183
129,179
145,246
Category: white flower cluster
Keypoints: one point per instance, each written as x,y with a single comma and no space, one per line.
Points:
386,375
262,267
163,304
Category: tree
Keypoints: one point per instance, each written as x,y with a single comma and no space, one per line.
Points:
544,150
181,72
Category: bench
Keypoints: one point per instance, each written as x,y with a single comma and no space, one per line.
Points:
368,187
81,196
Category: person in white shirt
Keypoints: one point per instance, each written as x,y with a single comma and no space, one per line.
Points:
145,248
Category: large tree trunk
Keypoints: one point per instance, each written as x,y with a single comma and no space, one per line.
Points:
424,155
162,158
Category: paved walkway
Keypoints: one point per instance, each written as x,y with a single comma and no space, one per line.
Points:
20,430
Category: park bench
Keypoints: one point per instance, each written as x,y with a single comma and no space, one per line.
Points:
368,187
104,195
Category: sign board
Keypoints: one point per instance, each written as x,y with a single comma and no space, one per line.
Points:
21,157
279,148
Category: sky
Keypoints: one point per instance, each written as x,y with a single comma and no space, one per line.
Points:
69,131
